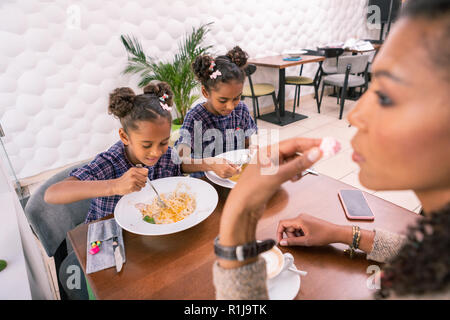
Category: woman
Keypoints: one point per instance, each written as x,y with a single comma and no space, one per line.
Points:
402,142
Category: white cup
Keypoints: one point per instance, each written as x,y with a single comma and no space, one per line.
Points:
275,262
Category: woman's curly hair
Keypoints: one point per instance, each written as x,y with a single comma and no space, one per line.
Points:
423,264
130,108
230,66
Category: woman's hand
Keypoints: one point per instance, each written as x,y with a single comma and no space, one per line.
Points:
132,180
306,230
272,166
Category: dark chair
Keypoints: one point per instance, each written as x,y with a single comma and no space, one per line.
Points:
329,66
348,67
331,55
254,91
51,223
299,81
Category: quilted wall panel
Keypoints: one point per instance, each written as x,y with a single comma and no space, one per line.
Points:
60,59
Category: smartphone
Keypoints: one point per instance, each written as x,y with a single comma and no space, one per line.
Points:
355,205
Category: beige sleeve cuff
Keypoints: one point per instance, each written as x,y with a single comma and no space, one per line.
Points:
245,283
386,245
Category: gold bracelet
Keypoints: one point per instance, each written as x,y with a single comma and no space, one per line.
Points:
356,233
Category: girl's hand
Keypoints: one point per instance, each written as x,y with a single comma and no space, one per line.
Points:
225,170
306,230
132,180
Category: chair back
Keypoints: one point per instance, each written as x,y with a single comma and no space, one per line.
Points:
249,70
357,63
51,222
331,52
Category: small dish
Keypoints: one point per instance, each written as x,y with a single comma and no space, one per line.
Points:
285,286
294,53
234,156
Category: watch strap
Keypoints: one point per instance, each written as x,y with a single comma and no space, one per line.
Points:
242,252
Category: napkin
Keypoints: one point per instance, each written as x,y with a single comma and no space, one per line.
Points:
103,231
293,59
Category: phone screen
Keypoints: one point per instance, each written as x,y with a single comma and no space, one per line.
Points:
355,203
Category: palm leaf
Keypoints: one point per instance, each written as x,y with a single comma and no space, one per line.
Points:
190,48
178,73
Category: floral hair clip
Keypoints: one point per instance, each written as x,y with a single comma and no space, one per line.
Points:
164,97
212,65
163,104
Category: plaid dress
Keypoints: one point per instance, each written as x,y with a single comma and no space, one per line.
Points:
209,135
112,164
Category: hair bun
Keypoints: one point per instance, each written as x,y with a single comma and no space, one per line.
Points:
159,89
121,101
238,56
201,67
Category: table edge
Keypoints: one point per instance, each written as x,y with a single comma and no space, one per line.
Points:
287,63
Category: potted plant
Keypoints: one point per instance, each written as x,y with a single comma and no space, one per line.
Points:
178,73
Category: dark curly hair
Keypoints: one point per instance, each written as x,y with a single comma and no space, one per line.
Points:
130,108
423,264
230,66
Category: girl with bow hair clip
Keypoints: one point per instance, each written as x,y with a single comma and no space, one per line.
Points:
221,123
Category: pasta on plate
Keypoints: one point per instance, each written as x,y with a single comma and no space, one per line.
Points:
180,204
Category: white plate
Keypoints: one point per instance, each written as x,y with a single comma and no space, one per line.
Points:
232,156
294,53
130,218
285,286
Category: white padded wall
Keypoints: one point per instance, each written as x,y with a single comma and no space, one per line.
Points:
60,59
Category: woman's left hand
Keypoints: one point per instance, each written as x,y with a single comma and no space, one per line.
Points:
272,166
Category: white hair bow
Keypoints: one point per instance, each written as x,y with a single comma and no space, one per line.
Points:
215,74
165,106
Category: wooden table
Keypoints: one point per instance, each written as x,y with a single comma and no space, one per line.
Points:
277,62
179,266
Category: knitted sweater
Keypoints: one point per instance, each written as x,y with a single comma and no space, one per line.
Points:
249,281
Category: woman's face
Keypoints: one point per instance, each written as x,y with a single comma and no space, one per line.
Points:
148,142
223,99
403,121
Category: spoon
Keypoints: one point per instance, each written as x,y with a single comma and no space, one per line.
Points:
288,265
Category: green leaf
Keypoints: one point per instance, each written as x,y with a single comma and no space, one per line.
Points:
149,219
3,264
177,73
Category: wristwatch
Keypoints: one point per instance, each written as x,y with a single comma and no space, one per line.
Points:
242,252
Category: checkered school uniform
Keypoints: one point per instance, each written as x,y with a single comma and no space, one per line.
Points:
112,164
201,130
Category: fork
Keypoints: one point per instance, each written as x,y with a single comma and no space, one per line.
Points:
160,201
246,158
